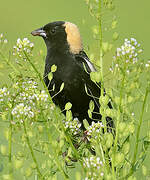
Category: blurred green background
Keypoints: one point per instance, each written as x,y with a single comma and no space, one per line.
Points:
19,17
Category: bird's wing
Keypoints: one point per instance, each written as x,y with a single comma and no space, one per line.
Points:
82,58
92,89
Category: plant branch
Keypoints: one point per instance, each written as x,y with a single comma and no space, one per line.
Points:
138,135
31,150
9,63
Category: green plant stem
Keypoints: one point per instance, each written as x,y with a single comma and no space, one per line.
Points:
9,63
117,129
57,162
101,60
39,75
10,139
35,69
31,150
100,44
138,135
71,144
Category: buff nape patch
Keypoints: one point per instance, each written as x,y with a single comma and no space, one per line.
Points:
73,37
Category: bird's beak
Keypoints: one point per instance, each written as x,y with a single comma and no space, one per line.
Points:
39,32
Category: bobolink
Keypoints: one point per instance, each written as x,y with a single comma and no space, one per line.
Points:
65,50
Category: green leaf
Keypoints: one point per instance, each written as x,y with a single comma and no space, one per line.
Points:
78,175
3,149
85,123
95,76
122,127
53,87
131,128
28,172
109,139
50,76
104,100
61,143
68,115
18,163
53,68
62,86
68,106
144,170
115,36
126,148
119,158
146,145
1,66
114,24
91,105
105,46
90,113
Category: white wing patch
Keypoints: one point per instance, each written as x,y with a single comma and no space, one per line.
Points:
90,65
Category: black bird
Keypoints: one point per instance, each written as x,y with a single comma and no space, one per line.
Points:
65,50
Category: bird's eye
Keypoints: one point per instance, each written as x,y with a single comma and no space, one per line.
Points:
53,31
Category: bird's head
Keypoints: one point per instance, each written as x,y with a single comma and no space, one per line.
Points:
61,35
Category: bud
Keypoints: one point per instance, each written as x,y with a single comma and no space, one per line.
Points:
119,158
40,128
28,172
126,148
3,149
18,163
115,36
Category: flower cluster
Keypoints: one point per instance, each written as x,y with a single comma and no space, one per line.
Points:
94,167
126,56
2,39
73,125
129,50
147,65
22,111
23,46
28,93
95,129
3,93
42,96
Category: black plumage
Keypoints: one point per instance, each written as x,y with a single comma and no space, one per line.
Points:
64,49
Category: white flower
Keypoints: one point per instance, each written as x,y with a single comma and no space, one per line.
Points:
147,65
94,129
1,35
132,114
22,110
3,93
18,41
94,167
102,174
5,41
31,45
73,125
128,71
23,46
129,50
